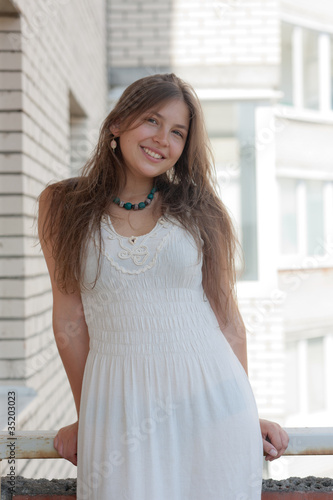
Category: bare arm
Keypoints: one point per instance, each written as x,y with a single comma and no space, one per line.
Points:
235,333
275,439
71,336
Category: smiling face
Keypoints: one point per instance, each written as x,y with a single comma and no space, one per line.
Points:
158,140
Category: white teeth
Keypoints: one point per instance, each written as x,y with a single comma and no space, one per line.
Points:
151,153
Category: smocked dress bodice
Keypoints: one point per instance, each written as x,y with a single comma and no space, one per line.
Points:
167,411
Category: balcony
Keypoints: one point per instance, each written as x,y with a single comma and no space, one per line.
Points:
39,444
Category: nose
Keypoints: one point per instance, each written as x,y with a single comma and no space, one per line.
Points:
161,137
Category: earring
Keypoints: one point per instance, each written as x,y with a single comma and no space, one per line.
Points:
113,144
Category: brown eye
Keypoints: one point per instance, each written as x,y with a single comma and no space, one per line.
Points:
178,133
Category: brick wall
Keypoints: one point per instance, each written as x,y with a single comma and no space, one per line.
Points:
139,39
53,77
211,43
237,42
266,360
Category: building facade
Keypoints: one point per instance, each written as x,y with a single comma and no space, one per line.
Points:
52,99
304,174
263,70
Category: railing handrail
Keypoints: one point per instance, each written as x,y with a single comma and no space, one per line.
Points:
39,444
28,444
309,441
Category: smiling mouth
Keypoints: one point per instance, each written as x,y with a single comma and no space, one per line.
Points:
151,153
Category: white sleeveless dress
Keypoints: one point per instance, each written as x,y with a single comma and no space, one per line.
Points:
167,410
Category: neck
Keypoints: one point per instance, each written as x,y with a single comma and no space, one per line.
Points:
137,189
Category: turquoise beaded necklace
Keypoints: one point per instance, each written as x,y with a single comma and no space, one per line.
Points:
136,206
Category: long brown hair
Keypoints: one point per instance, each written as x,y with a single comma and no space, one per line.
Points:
187,192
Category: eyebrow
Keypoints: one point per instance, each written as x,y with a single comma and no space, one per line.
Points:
176,125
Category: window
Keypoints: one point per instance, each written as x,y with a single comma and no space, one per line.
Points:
288,219
310,69
292,386
331,70
286,64
230,126
316,375
306,67
315,217
302,216
80,146
305,376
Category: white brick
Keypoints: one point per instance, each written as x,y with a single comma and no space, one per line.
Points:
128,62
13,329
39,324
154,44
161,26
141,16
218,59
10,184
10,81
37,285
10,24
141,53
12,369
10,121
11,100
15,246
120,34
10,61
156,6
264,13
12,349
17,205
12,308
249,22
18,266
10,142
42,347
116,7
264,50
125,43
10,41
18,163
11,288
114,17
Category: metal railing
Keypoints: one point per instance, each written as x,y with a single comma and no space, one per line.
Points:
39,444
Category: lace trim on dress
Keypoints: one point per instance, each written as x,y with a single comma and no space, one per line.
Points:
135,247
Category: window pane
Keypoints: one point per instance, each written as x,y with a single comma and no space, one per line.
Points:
292,385
286,64
230,126
331,72
316,374
288,216
247,161
315,217
310,69
226,154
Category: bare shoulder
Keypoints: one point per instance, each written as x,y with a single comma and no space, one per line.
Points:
52,195
59,187
47,216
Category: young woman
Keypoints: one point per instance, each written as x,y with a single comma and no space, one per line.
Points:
140,252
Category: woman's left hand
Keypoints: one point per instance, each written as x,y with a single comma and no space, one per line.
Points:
275,439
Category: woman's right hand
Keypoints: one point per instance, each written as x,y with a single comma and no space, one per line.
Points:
65,442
